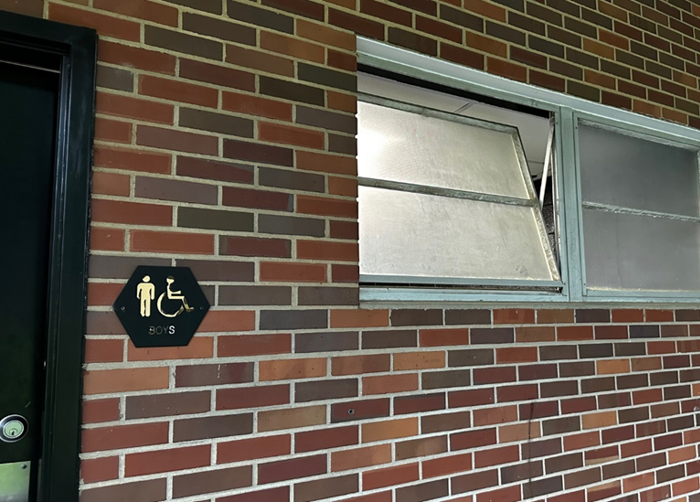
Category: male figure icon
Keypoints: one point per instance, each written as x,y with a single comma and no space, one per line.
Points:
146,292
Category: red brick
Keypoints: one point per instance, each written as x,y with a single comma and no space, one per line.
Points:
107,239
253,105
99,469
100,410
291,369
389,384
122,380
143,59
133,108
104,351
110,184
178,91
388,476
359,318
228,320
295,468
124,436
291,135
132,213
132,160
326,438
106,25
198,348
112,130
325,35
292,47
169,139
516,355
324,250
141,9
326,163
447,465
360,457
292,272
171,242
325,206
175,459
252,397
253,345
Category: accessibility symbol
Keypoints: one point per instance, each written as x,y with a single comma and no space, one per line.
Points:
161,306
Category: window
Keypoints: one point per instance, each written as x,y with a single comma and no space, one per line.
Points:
471,192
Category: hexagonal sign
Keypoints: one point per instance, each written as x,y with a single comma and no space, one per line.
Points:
161,306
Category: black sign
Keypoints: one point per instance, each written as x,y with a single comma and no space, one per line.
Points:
161,306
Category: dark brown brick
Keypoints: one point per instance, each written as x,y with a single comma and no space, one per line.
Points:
180,42
415,404
423,491
325,342
412,41
389,339
558,352
414,317
218,28
632,381
505,33
359,25
595,351
302,7
327,77
213,6
546,46
175,190
115,78
257,199
421,447
470,357
445,379
494,375
645,331
191,217
467,317
688,315
445,422
120,267
630,349
255,295
293,319
597,385
253,152
214,170
325,389
560,388
290,225
541,448
280,494
260,17
473,482
471,397
212,427
561,425
519,472
633,415
491,335
342,144
538,409
215,122
326,119
325,488
461,18
291,90
283,470
251,246
212,481
163,405
328,295
294,180
542,487
213,374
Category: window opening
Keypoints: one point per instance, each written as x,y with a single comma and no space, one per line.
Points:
446,191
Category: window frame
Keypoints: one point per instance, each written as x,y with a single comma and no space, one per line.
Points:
568,111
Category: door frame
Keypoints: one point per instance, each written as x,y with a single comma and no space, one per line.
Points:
73,49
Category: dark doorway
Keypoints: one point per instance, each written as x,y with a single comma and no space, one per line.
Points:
46,115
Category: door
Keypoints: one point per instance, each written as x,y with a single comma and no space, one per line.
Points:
28,121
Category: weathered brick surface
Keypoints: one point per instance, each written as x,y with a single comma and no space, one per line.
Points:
225,142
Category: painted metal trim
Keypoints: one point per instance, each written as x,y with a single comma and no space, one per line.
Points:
459,281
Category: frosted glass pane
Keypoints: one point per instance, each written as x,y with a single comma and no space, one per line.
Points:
626,251
402,146
635,173
409,234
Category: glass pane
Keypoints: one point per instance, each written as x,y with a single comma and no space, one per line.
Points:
636,173
409,234
402,146
625,251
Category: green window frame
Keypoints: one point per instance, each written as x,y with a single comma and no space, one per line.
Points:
569,114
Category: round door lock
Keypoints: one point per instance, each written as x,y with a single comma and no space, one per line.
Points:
12,428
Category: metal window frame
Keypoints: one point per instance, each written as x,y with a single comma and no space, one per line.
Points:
567,111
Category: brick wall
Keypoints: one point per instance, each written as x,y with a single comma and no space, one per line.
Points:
225,142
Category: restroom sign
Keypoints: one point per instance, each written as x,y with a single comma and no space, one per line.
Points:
161,306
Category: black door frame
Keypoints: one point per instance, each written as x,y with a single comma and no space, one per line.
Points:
72,51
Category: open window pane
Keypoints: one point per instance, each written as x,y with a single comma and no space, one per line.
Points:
408,147
629,172
634,252
409,235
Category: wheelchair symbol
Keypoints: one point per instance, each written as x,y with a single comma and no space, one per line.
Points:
173,295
